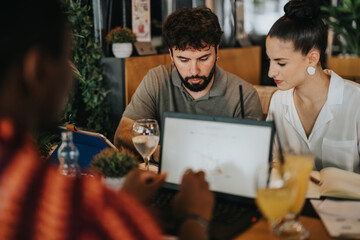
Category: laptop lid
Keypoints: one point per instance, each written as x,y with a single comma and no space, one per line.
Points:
229,150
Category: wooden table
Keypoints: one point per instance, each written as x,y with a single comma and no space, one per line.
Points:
261,230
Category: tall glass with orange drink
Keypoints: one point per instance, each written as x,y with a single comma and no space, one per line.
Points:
301,166
275,194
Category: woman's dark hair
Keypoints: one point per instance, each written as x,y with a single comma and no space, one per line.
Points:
303,25
192,27
26,24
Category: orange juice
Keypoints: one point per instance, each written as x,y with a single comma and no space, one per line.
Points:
301,166
274,203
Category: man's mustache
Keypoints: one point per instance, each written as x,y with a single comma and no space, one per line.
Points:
195,77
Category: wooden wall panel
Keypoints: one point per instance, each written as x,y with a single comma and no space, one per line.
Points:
348,68
243,62
137,67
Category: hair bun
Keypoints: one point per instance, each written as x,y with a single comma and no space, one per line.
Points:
302,9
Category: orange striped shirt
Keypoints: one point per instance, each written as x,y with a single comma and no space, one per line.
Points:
36,202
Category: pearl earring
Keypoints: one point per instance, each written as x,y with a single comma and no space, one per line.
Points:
311,70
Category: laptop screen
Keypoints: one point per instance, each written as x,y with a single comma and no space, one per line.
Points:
228,150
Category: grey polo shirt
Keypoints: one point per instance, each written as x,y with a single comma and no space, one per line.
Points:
161,91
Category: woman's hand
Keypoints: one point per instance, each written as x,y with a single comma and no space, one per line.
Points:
194,197
143,184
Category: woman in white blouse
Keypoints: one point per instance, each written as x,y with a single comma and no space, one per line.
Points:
314,108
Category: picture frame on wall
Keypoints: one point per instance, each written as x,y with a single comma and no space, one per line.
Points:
141,24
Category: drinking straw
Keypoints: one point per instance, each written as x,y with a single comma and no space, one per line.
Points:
281,155
241,102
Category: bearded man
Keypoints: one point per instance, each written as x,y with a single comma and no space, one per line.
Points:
193,83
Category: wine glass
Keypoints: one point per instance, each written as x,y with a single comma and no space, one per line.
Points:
274,193
145,136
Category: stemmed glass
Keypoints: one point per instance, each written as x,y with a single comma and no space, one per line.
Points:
301,164
300,161
274,193
145,136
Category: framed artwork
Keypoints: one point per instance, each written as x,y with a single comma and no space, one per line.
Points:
141,20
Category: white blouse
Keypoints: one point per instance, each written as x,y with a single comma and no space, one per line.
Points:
335,136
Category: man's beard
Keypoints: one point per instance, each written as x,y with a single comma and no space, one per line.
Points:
199,86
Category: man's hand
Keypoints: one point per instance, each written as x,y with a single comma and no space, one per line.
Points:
143,184
194,197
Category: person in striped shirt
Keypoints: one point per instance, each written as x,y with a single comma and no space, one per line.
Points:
36,201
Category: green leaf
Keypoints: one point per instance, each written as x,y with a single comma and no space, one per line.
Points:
345,21
114,163
91,92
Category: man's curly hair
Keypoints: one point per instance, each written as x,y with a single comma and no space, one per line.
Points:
192,27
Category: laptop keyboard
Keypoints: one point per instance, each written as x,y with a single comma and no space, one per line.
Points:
163,200
229,218
228,213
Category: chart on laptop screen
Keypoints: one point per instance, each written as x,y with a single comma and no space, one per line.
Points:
229,153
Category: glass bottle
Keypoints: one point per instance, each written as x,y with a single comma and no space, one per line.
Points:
68,156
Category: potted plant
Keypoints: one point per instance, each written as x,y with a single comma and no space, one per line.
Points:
121,39
113,165
345,22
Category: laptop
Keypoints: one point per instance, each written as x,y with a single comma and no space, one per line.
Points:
228,150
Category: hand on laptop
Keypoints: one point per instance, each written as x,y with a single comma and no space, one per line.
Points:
143,184
194,197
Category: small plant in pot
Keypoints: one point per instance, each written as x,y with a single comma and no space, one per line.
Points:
121,39
345,21
113,165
